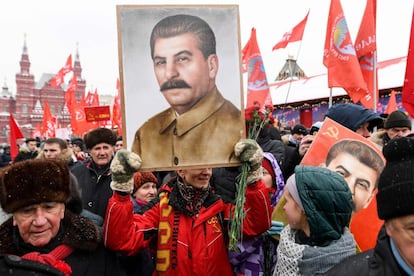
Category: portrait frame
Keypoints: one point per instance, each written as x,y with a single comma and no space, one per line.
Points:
140,93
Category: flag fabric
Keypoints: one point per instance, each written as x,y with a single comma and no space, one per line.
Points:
78,121
340,57
70,96
95,98
293,35
408,87
116,109
392,103
48,123
15,133
89,98
58,79
258,91
366,47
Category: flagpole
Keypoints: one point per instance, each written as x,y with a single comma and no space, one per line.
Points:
330,97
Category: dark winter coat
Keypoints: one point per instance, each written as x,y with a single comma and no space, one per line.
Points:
377,261
95,186
89,257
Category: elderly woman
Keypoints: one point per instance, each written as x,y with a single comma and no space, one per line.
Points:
43,235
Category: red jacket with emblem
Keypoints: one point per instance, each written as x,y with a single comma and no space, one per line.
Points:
187,244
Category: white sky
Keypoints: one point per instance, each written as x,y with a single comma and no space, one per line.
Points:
53,29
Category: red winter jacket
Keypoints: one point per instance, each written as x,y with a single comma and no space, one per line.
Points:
187,244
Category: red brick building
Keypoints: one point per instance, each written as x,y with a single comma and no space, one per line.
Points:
27,103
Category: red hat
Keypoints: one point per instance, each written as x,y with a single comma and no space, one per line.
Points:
268,166
140,178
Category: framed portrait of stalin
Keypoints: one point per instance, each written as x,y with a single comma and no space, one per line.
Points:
181,84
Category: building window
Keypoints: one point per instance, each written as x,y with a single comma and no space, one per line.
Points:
24,108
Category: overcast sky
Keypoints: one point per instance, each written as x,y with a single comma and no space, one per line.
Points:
54,29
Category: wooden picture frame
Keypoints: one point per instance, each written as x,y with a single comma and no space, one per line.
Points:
140,92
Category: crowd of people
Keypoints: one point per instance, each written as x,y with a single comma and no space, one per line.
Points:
93,212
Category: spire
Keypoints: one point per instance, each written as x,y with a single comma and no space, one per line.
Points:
77,52
25,44
24,60
77,68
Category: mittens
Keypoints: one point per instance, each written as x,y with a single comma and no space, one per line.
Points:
123,167
247,150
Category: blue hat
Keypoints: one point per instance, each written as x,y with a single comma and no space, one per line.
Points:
353,116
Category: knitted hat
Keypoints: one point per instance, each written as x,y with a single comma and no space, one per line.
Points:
268,166
99,135
397,118
353,116
299,129
396,184
32,182
140,178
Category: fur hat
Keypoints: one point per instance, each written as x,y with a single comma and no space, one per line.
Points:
33,181
396,184
140,178
123,167
397,118
353,116
99,135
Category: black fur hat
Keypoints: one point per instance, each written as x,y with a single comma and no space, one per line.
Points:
99,135
33,181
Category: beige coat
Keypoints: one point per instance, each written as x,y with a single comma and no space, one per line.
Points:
203,136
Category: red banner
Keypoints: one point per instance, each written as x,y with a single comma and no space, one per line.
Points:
97,113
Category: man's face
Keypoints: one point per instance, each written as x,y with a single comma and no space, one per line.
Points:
401,230
51,151
102,154
298,136
178,62
31,145
363,130
360,178
39,223
395,132
198,178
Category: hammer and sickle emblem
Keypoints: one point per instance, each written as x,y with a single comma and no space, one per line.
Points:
332,132
213,221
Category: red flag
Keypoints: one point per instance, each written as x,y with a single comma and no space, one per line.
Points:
78,120
408,87
70,93
95,99
340,56
89,99
49,122
293,35
57,80
392,103
15,133
365,47
116,109
257,86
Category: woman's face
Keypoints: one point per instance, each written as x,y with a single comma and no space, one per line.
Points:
295,216
147,192
39,223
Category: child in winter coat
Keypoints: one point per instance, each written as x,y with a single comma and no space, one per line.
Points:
318,209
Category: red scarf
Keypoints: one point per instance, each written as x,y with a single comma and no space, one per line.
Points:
53,258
